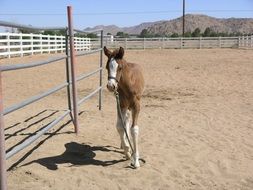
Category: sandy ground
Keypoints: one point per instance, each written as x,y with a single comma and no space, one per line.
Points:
196,128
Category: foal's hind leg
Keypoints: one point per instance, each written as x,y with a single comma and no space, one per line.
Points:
124,142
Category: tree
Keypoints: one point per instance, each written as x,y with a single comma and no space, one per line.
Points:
207,32
188,34
92,35
81,35
174,35
122,35
26,31
55,32
196,33
144,34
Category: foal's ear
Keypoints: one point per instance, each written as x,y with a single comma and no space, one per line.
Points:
120,53
107,52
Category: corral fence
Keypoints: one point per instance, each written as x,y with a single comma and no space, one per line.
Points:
70,84
178,43
18,44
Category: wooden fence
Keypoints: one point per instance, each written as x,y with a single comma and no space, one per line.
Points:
18,44
178,43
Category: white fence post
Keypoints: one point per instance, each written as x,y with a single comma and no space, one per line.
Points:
200,42
48,43
21,45
41,44
62,44
144,43
251,41
55,44
31,43
125,43
8,45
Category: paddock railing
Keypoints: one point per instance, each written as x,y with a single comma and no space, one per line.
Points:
178,43
245,42
74,101
18,44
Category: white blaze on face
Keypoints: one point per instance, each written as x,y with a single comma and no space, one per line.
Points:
113,66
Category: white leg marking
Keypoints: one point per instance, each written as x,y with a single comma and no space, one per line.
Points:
124,142
135,158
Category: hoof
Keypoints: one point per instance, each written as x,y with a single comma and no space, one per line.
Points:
135,166
135,162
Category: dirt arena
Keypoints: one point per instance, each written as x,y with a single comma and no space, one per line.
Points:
196,128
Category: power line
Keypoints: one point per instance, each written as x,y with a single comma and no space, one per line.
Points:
122,13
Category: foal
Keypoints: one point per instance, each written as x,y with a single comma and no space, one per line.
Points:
127,79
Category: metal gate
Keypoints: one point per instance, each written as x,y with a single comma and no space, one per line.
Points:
70,84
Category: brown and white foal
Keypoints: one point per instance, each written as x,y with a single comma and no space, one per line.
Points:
127,79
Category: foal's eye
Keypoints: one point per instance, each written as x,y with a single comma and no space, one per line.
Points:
119,67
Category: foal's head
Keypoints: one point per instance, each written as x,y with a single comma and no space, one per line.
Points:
114,67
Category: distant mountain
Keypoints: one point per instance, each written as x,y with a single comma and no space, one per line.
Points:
230,25
138,28
192,21
113,29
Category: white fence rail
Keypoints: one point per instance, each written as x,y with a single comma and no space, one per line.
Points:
179,43
18,44
245,41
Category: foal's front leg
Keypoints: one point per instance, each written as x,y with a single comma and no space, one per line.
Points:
124,142
135,133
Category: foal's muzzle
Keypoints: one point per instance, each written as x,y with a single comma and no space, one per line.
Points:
112,84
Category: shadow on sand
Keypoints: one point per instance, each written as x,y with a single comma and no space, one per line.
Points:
77,154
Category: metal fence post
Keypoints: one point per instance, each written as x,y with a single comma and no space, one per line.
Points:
68,76
100,73
73,68
3,178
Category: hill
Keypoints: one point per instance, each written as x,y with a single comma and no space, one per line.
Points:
113,29
192,21
230,25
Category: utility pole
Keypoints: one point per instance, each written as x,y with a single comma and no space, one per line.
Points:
183,17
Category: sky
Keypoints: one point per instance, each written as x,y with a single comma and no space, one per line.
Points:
89,13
